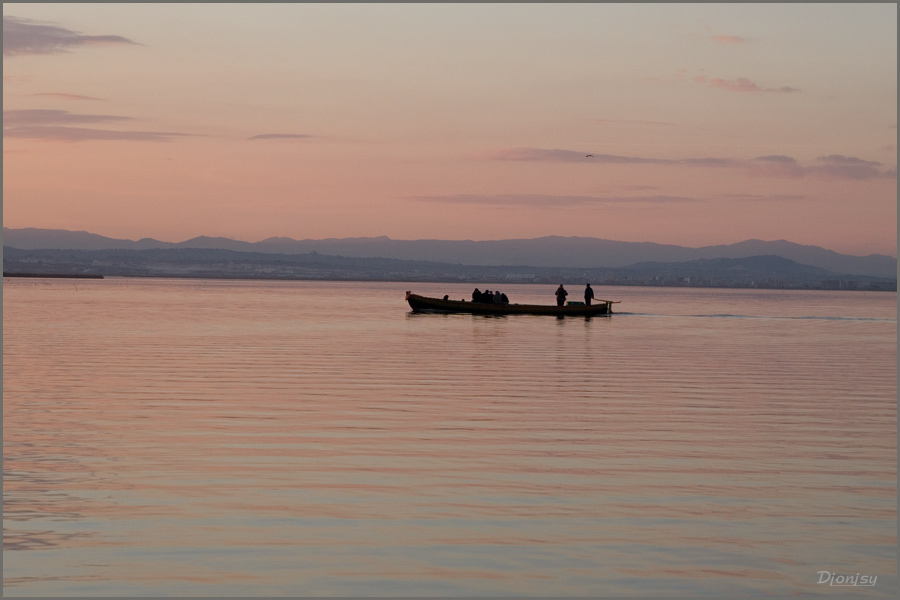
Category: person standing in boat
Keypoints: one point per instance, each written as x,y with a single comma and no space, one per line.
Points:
561,294
476,295
588,295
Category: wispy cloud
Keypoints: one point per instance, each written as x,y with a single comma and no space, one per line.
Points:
55,125
776,165
81,134
281,136
25,36
838,166
61,96
709,162
54,117
551,201
557,155
835,166
765,197
727,39
777,158
742,84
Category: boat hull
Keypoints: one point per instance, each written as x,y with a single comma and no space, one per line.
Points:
424,304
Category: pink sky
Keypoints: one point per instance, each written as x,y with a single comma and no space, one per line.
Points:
705,123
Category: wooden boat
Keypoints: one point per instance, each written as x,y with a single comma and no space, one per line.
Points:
572,309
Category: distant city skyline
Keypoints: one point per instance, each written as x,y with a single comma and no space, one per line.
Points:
686,124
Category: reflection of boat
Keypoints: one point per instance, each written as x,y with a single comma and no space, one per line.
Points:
573,309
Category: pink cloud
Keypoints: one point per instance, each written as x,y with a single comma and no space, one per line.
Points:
67,96
742,84
766,198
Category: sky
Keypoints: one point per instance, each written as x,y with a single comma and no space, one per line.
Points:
688,124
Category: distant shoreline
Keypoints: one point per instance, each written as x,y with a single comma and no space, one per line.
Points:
55,275
473,281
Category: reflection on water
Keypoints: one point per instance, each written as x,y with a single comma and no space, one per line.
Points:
167,437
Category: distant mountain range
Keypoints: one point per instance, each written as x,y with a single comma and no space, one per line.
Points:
551,251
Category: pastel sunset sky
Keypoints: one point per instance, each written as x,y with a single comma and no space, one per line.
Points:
689,124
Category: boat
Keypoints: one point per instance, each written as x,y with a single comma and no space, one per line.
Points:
571,309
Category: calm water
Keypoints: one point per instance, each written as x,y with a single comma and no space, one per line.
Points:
223,438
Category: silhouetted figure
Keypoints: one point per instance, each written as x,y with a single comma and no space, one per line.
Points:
446,297
588,294
504,299
561,294
487,297
498,298
476,295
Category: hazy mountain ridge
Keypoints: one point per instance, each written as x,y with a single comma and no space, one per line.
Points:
757,271
550,251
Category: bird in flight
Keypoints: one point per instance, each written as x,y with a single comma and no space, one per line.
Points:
589,156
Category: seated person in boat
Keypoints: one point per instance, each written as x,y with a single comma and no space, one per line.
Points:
476,295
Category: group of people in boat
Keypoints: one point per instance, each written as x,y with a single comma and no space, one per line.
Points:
561,294
489,297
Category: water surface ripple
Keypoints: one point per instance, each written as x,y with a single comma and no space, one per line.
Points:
227,438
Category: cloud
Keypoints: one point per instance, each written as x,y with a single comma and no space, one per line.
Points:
81,134
835,166
24,36
557,155
54,117
776,165
709,162
280,136
67,96
840,159
838,166
550,201
55,125
777,158
727,39
742,84
765,197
